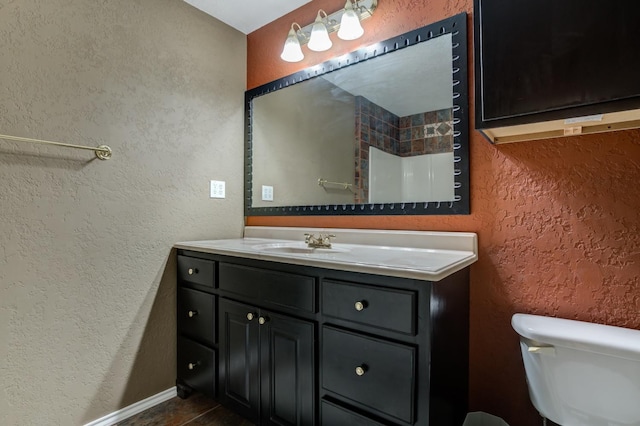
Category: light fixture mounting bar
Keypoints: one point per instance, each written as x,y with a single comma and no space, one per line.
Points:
364,9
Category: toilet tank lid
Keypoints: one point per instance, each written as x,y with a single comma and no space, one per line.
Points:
599,338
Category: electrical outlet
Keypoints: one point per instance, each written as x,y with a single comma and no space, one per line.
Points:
267,193
217,189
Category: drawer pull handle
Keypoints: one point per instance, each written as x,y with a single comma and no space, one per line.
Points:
192,314
361,369
360,305
263,320
250,316
193,365
192,271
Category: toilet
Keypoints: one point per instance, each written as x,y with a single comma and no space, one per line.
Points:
579,373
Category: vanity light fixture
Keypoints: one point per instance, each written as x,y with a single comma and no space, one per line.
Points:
350,28
292,51
319,40
346,22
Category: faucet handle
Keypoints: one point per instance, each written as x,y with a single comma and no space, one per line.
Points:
325,240
321,241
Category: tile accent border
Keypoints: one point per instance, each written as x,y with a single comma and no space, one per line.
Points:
135,408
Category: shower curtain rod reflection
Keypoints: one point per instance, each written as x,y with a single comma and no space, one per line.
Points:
345,185
103,152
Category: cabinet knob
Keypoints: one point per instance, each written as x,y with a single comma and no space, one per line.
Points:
360,305
193,365
250,316
192,314
192,271
361,369
263,320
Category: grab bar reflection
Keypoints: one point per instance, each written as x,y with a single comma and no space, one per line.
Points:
345,185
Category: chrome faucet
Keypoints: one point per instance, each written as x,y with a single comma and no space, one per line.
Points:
321,241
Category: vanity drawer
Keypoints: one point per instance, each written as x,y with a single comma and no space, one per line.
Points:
283,289
332,414
197,366
377,374
196,271
197,315
378,307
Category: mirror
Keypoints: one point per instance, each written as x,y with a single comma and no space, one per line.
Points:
382,130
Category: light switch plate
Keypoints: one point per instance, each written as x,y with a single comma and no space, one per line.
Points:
267,193
217,189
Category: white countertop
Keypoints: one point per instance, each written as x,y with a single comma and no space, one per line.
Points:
422,255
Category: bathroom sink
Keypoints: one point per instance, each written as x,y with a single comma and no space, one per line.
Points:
423,255
296,248
378,256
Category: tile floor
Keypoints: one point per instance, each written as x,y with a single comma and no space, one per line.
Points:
197,410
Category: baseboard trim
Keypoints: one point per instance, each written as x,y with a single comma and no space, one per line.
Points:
133,409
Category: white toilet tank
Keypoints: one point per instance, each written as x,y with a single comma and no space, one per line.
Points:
579,373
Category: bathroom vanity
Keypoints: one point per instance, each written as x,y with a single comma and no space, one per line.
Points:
359,333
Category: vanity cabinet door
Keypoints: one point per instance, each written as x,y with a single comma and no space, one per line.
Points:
267,365
287,370
239,372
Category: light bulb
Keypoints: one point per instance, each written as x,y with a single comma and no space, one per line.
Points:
292,51
319,40
350,28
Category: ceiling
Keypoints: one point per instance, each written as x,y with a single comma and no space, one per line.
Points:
247,15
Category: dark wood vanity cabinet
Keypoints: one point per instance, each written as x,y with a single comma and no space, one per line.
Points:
267,347
299,345
196,316
393,351
267,365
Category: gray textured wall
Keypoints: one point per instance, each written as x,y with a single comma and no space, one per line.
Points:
86,278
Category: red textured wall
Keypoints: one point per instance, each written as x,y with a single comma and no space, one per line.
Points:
558,221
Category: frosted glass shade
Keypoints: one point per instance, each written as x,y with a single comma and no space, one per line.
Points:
319,40
292,51
350,28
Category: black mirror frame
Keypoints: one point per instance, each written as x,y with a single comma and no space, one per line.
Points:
457,27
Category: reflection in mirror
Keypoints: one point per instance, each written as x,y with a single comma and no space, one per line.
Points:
381,136
303,133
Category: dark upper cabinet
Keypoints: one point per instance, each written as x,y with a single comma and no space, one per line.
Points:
550,61
267,365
